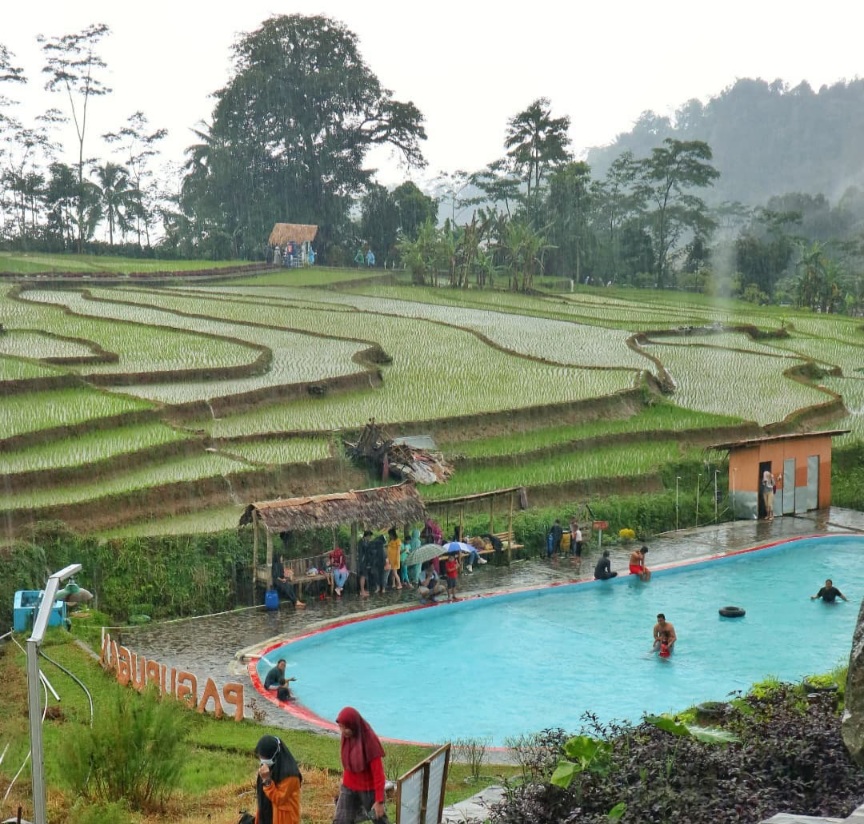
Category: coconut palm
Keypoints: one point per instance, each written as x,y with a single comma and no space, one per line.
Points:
118,198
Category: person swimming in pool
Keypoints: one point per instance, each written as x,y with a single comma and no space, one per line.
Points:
664,635
829,593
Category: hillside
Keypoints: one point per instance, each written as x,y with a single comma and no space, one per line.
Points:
767,139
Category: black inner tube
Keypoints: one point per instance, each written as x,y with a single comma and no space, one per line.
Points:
732,612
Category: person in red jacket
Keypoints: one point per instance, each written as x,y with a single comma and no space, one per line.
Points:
362,790
278,784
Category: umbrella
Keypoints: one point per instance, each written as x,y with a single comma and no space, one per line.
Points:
459,546
424,553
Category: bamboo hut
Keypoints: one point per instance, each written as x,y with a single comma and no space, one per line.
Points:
292,243
377,508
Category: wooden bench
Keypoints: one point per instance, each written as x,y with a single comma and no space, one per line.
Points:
300,568
506,539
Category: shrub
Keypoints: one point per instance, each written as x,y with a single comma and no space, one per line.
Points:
789,757
133,753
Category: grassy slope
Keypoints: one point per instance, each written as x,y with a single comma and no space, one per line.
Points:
220,768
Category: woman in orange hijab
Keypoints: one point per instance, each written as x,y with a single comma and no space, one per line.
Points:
362,790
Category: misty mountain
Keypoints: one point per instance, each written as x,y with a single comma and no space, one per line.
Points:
767,139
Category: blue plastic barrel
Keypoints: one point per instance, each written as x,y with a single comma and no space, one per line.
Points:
271,599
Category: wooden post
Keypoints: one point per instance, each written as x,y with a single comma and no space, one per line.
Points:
510,530
254,553
491,514
269,549
352,549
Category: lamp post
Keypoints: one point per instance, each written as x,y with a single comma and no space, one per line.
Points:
676,502
40,624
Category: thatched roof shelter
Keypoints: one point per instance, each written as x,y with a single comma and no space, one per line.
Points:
284,233
375,508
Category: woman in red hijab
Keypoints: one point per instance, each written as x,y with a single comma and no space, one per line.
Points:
362,790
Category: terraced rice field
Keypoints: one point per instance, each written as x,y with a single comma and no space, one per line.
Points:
294,365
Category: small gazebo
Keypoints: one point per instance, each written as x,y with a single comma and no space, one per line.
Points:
293,242
376,508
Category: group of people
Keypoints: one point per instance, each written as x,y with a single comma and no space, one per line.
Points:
563,542
603,570
383,561
665,635
361,795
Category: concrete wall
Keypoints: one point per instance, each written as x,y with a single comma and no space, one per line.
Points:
793,493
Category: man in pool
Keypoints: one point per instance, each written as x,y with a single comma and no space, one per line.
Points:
829,593
664,634
637,564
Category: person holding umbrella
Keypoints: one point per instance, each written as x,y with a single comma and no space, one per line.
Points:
362,790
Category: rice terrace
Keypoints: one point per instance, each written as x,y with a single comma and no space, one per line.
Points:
152,404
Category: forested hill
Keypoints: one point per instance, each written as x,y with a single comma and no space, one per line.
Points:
767,139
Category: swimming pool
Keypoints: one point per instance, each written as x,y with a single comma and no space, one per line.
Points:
516,663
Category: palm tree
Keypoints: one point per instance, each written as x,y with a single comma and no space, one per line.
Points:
536,142
116,195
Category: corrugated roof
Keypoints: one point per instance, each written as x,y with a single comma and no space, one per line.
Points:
772,438
376,508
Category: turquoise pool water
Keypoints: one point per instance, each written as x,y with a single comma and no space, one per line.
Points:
516,663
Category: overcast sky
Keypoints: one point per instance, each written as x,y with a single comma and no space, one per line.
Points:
468,66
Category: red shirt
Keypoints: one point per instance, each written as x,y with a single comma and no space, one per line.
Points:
452,568
372,778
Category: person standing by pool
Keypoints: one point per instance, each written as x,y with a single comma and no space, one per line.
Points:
664,634
556,532
278,783
768,494
603,570
637,563
362,790
451,567
394,554
829,593
576,543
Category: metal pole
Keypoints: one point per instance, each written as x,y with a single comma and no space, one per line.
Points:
698,480
676,502
40,624
716,472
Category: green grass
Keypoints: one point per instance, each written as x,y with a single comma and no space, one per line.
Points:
201,521
661,417
90,447
219,766
62,407
28,263
571,465
274,451
206,465
16,369
309,276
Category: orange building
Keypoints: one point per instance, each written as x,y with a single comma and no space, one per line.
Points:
800,465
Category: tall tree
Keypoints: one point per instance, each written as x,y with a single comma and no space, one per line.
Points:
294,126
568,206
415,208
537,142
72,66
139,145
118,199
666,180
379,223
